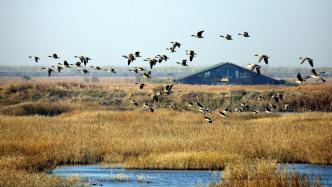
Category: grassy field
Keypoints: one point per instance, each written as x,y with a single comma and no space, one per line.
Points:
80,130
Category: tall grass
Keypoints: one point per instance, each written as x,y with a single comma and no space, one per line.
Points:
36,108
159,140
115,96
262,173
85,132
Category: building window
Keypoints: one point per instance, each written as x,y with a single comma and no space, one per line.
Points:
207,74
237,74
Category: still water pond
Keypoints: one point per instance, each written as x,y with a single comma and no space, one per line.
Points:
97,175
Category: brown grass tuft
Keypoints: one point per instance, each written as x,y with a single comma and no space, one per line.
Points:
261,173
32,108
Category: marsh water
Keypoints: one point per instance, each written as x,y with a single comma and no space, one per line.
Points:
97,175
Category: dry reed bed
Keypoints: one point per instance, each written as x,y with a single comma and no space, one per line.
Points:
262,173
162,140
126,84
115,96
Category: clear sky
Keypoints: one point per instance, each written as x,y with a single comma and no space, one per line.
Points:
107,29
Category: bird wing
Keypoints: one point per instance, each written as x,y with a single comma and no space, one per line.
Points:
49,72
260,58
266,60
258,70
252,66
208,119
200,33
311,62
267,109
303,60
314,72
132,57
191,57
222,114
200,105
299,77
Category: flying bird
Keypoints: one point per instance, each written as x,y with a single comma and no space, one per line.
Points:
147,74
66,64
268,109
165,57
168,89
176,44
190,104
133,102
146,106
227,37
255,111
222,113
263,57
78,64
86,60
162,58
152,62
286,107
137,54
316,75
208,119
307,59
255,67
96,68
171,49
112,70
191,54
35,58
139,69
198,34
202,108
83,59
277,97
84,71
49,70
183,63
141,85
54,56
131,58
300,79
59,68
244,34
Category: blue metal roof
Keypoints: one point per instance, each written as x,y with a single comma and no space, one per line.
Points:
219,65
204,70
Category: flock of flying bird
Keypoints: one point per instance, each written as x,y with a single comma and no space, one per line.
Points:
167,90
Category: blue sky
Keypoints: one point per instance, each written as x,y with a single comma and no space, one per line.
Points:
107,29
